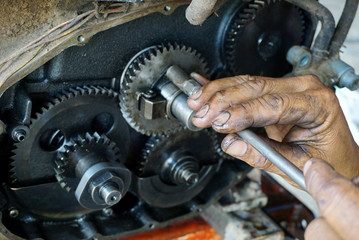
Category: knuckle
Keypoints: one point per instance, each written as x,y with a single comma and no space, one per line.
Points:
259,85
219,97
242,78
275,101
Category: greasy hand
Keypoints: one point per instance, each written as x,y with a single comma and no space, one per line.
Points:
302,117
338,201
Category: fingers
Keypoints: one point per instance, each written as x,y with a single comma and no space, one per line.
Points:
249,87
319,229
337,197
240,149
269,109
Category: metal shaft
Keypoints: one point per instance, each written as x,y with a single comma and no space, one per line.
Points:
179,78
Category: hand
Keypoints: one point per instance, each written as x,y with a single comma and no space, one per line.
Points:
338,201
302,117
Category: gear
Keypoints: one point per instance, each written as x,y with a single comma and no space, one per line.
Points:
180,164
92,148
202,145
259,36
75,112
142,71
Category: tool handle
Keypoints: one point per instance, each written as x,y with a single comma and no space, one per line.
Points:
273,156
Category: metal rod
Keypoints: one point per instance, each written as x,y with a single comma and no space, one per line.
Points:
273,156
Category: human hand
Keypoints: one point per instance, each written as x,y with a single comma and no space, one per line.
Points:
338,201
302,117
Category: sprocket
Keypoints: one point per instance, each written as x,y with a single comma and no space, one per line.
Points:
142,71
259,36
74,112
89,149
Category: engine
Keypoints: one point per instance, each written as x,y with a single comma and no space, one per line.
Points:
89,145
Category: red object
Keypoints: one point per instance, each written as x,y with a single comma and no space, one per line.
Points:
192,229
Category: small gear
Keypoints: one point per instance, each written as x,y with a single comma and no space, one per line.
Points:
203,145
74,112
92,149
142,71
259,36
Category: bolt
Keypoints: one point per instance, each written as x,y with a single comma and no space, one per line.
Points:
80,39
110,194
149,94
107,211
14,213
188,176
19,135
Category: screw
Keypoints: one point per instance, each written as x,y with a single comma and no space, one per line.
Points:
19,135
81,39
14,213
149,94
110,194
107,211
188,176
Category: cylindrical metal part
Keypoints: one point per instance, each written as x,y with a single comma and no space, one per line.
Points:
276,158
110,194
182,112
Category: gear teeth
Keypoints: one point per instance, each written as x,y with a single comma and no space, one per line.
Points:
77,144
129,80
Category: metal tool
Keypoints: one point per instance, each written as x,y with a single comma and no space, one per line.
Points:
189,86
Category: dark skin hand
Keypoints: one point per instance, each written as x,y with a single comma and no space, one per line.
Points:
302,118
338,201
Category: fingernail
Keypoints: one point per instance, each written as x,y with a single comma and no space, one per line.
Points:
202,112
355,180
237,149
196,95
307,166
195,75
227,142
221,119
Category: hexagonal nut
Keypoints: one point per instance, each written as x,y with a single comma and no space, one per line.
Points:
190,87
97,183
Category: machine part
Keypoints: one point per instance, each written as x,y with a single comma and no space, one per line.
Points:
242,225
144,69
199,10
103,185
177,165
19,133
79,154
299,57
61,120
344,74
180,168
255,36
322,41
330,71
178,76
177,105
343,26
152,105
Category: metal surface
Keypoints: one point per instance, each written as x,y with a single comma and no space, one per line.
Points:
254,35
273,156
143,70
74,112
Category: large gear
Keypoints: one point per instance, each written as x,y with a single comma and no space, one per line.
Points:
202,144
92,149
177,167
74,112
142,71
259,36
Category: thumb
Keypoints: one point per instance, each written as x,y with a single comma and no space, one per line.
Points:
233,145
337,197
